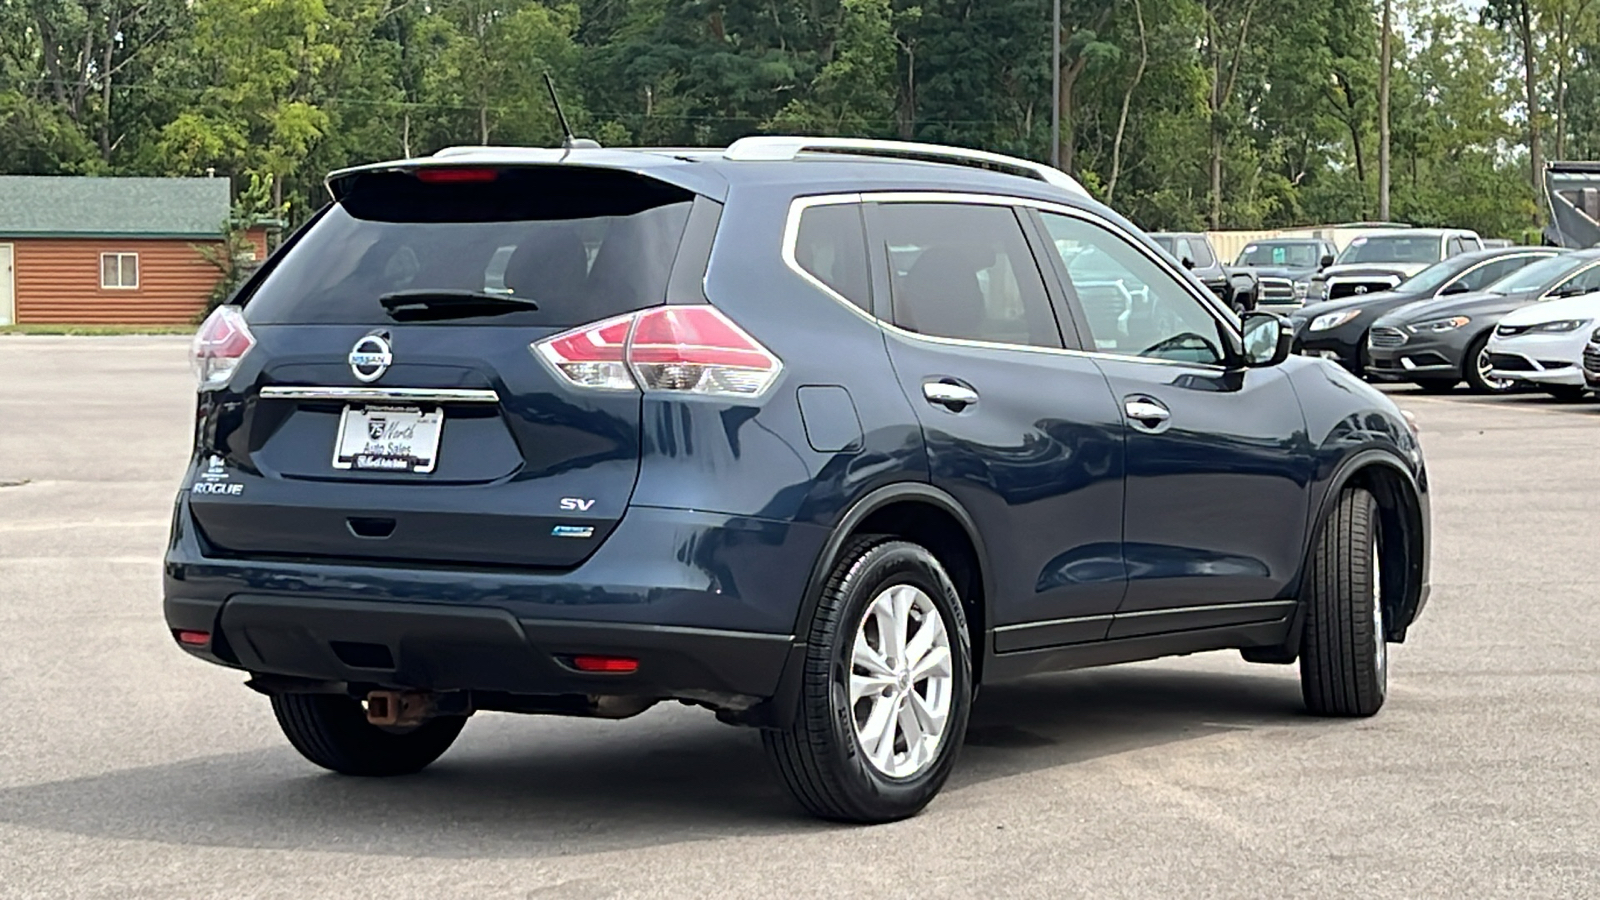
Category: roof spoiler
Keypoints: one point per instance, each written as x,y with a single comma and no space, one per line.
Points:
1572,192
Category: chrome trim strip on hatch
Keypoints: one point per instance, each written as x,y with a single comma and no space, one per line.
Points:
382,395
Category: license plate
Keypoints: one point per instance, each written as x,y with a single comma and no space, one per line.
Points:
388,439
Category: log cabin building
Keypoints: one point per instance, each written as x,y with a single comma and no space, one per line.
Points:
81,250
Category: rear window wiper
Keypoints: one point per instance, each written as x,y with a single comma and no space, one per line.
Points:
435,303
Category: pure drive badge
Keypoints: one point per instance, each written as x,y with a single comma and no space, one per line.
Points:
370,357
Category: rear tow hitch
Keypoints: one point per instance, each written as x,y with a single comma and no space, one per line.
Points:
404,709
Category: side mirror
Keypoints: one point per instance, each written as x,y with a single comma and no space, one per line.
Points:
1455,288
1245,294
1268,339
1326,261
1188,262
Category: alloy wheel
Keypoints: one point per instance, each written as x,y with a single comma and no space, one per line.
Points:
1485,367
901,681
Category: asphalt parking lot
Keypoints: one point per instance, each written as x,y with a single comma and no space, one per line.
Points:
128,770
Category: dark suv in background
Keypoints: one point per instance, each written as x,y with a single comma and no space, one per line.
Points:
821,441
1283,267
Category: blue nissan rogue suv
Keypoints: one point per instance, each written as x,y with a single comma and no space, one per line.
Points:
821,435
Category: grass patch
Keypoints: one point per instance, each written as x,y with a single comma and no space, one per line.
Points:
46,328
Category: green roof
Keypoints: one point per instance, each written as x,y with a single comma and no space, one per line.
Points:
69,206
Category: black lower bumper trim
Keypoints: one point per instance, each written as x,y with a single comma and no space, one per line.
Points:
439,647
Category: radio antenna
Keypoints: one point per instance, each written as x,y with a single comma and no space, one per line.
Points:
569,140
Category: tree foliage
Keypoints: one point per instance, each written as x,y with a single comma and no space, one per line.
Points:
1182,113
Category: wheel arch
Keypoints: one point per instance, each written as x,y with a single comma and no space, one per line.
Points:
1468,362
1401,510
922,513
918,512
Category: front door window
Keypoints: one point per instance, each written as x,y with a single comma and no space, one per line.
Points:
1132,306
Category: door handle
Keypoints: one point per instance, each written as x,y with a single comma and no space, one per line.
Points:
954,397
1147,413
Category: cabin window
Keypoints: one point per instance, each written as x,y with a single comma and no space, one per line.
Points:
119,271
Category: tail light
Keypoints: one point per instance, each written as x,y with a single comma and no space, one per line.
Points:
219,345
591,356
678,349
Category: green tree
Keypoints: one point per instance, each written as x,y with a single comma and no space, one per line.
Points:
854,92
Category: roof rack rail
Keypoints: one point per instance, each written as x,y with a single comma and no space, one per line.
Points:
783,147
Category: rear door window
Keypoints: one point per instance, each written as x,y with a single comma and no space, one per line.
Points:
831,246
965,271
582,245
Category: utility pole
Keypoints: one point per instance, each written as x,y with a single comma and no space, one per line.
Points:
1055,86
1384,60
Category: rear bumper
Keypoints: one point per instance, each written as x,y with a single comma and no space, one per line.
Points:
437,647
706,603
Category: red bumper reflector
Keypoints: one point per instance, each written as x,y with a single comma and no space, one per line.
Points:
617,664
193,638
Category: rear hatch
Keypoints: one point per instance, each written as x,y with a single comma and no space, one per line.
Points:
392,408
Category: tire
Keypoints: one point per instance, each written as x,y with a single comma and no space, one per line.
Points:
1566,393
1473,371
827,757
1436,385
1344,659
332,731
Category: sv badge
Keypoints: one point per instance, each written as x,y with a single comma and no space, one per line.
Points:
576,504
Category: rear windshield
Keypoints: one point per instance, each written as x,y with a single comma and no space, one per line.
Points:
582,244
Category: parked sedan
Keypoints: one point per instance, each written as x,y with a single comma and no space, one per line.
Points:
1437,343
1542,345
1337,329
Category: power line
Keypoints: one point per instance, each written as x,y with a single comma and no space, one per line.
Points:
400,105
